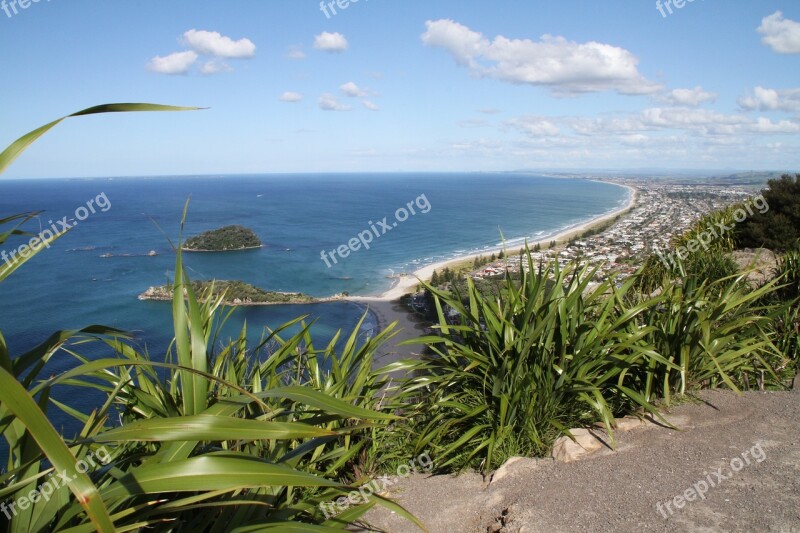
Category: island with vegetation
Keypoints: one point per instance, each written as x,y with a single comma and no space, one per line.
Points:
227,239
234,292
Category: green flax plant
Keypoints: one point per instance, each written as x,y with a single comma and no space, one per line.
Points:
511,374
203,441
348,373
28,433
784,305
713,334
709,321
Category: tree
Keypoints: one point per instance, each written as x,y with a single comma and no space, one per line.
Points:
775,222
448,276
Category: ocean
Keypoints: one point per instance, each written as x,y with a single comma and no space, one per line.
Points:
94,274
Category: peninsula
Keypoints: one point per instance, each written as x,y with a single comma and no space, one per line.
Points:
236,293
226,239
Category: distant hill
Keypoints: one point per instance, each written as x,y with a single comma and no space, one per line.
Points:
227,239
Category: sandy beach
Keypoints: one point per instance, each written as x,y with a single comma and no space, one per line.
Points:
407,282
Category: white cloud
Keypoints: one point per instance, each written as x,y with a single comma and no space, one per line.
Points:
296,53
705,121
211,43
775,147
636,139
687,97
668,137
535,126
482,146
177,63
474,123
463,44
290,96
370,105
765,125
780,34
330,42
701,121
763,99
605,125
205,43
566,67
214,67
352,90
633,125
328,102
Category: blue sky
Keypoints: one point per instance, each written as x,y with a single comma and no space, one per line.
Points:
388,85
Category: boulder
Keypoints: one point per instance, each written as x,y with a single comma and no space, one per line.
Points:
515,466
628,423
763,262
566,450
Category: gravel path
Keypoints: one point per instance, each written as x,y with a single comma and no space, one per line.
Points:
621,490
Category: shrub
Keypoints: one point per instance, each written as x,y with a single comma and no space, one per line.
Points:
517,371
712,334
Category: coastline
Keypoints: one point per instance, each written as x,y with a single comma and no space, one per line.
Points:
407,282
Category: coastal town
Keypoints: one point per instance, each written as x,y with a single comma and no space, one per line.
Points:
661,210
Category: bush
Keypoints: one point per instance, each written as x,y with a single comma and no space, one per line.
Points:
517,371
785,314
712,334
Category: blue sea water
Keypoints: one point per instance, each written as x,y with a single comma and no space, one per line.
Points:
94,274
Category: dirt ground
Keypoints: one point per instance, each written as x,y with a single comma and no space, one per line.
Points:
742,452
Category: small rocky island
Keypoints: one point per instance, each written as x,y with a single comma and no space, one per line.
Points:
227,239
236,293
